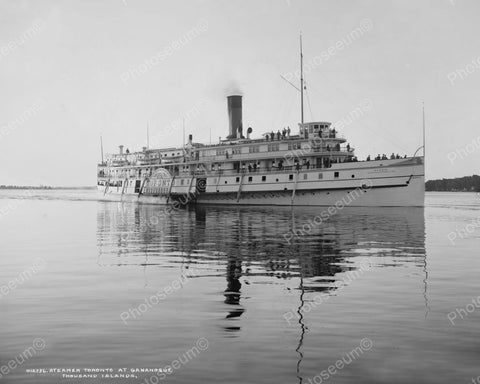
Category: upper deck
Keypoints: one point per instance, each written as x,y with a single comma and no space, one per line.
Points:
314,137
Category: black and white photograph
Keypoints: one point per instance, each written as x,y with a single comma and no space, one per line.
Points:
239,191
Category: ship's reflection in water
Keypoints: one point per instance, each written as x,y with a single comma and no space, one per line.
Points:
258,269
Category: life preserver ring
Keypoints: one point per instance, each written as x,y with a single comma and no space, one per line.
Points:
201,185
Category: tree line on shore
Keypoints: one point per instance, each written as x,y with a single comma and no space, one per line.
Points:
459,184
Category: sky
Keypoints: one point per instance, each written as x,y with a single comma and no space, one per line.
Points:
72,71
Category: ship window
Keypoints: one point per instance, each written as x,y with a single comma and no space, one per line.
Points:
225,181
182,182
320,175
353,176
250,179
293,146
316,126
273,147
290,177
264,178
336,174
237,179
305,176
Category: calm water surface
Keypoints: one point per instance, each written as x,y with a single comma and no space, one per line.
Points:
125,285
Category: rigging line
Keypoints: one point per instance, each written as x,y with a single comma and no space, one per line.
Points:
309,105
289,82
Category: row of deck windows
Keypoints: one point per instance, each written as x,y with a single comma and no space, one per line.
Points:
264,178
336,175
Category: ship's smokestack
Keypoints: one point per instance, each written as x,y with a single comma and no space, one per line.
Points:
234,103
120,147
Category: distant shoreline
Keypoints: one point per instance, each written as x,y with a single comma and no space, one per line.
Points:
41,187
458,184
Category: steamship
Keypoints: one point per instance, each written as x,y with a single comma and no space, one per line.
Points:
312,166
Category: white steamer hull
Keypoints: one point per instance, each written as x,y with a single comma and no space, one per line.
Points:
401,183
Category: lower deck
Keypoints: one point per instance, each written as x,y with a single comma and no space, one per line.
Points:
398,182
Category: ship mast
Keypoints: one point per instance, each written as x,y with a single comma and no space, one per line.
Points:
148,138
301,78
101,147
423,111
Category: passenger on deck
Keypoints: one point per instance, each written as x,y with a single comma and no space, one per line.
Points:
278,135
392,156
272,136
368,158
288,132
308,164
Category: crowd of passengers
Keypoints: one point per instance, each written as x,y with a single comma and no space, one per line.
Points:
384,157
285,134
